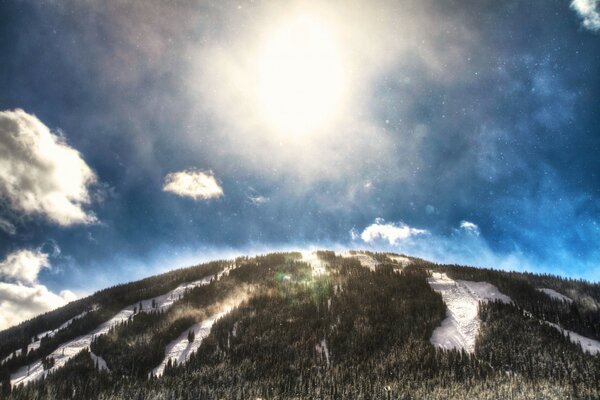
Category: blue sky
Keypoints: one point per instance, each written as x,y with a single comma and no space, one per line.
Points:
151,135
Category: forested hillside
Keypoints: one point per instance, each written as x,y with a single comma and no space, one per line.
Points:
328,326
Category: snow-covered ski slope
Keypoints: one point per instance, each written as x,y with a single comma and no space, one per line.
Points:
365,260
70,349
180,349
461,326
587,345
319,267
35,344
555,295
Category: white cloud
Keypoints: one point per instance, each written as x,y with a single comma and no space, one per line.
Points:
589,12
19,303
469,227
39,173
22,297
194,184
24,265
391,232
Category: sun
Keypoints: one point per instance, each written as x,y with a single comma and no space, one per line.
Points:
301,77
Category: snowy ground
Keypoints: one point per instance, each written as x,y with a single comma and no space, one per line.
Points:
461,326
401,260
555,295
319,267
35,344
180,349
364,259
587,345
323,351
70,349
99,362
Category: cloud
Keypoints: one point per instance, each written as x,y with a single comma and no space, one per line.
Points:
469,227
21,296
7,226
391,232
589,12
39,173
24,265
195,184
19,303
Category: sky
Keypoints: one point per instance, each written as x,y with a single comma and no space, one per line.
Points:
138,136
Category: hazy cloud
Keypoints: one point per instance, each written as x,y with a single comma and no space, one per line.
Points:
588,11
392,232
195,184
21,296
7,226
39,173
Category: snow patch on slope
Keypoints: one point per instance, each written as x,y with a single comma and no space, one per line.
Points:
319,267
365,260
35,344
461,326
401,260
180,349
70,349
322,350
555,295
587,345
99,362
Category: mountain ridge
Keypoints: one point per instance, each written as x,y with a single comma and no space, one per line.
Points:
357,300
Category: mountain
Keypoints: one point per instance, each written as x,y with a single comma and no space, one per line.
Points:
323,325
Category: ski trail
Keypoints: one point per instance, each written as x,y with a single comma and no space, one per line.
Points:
461,326
70,349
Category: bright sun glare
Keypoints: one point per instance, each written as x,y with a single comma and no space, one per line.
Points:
301,76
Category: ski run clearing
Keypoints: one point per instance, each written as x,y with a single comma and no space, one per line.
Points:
37,339
555,295
587,345
365,260
319,267
461,326
70,349
99,362
180,349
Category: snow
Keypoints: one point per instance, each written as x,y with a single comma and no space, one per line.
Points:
35,344
319,267
555,295
70,349
322,349
401,260
180,349
587,345
461,325
99,362
364,259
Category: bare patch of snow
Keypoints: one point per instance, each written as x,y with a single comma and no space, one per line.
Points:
99,362
461,326
555,295
322,350
400,260
587,345
319,267
365,260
